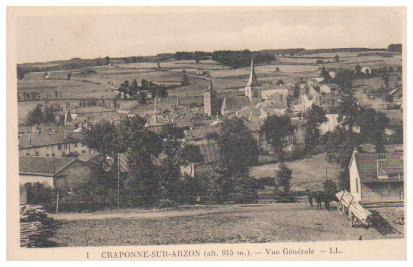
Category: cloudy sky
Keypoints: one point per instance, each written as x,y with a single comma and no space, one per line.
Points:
43,34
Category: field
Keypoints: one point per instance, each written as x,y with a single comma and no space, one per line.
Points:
307,173
100,81
219,224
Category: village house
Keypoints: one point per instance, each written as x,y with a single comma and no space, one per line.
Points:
64,173
55,145
209,154
44,145
329,125
377,177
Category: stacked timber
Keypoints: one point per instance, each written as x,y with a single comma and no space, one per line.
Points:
348,205
34,226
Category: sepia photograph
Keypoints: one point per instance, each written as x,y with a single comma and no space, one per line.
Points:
147,126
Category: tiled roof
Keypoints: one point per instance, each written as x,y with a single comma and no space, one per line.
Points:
210,152
38,140
367,165
45,166
235,103
76,137
201,132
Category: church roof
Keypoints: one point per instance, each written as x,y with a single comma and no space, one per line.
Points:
252,81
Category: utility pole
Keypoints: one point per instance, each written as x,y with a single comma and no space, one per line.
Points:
118,182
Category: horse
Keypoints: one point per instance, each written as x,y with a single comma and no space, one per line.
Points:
320,197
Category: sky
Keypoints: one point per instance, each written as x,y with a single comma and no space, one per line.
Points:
46,34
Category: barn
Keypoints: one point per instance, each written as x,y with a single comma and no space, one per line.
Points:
377,177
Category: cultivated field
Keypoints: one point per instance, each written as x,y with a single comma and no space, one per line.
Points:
99,81
219,224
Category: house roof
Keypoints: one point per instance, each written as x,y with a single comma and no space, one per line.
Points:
252,80
235,103
210,152
392,165
44,166
201,132
76,137
38,140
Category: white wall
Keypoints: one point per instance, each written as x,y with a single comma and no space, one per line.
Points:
46,180
354,180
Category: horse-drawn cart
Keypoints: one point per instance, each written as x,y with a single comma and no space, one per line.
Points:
347,205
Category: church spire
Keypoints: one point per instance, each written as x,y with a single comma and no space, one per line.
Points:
252,81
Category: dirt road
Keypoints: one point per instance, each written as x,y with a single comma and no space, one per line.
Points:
220,224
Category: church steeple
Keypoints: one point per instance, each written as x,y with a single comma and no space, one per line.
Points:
252,81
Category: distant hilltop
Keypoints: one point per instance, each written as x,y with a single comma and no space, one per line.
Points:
261,56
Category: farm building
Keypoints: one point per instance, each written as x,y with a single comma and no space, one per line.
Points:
377,177
45,145
64,173
54,145
209,154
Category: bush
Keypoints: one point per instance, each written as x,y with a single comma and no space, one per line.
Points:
166,203
283,197
40,194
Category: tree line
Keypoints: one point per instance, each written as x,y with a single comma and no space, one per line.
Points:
154,177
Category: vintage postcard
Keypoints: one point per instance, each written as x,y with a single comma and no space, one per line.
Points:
206,133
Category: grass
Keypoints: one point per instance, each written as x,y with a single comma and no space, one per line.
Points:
307,173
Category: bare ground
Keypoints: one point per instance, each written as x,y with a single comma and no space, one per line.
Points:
219,224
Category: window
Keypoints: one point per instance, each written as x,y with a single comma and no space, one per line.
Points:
53,154
75,144
59,147
37,153
27,154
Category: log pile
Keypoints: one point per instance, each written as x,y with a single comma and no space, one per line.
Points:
34,226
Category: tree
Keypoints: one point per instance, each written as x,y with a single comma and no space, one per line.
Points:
141,147
190,153
372,127
348,110
325,74
339,145
20,73
104,138
314,117
283,176
276,129
35,116
246,186
171,139
142,98
344,78
238,148
336,58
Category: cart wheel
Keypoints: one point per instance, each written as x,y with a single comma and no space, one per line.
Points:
383,228
341,209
